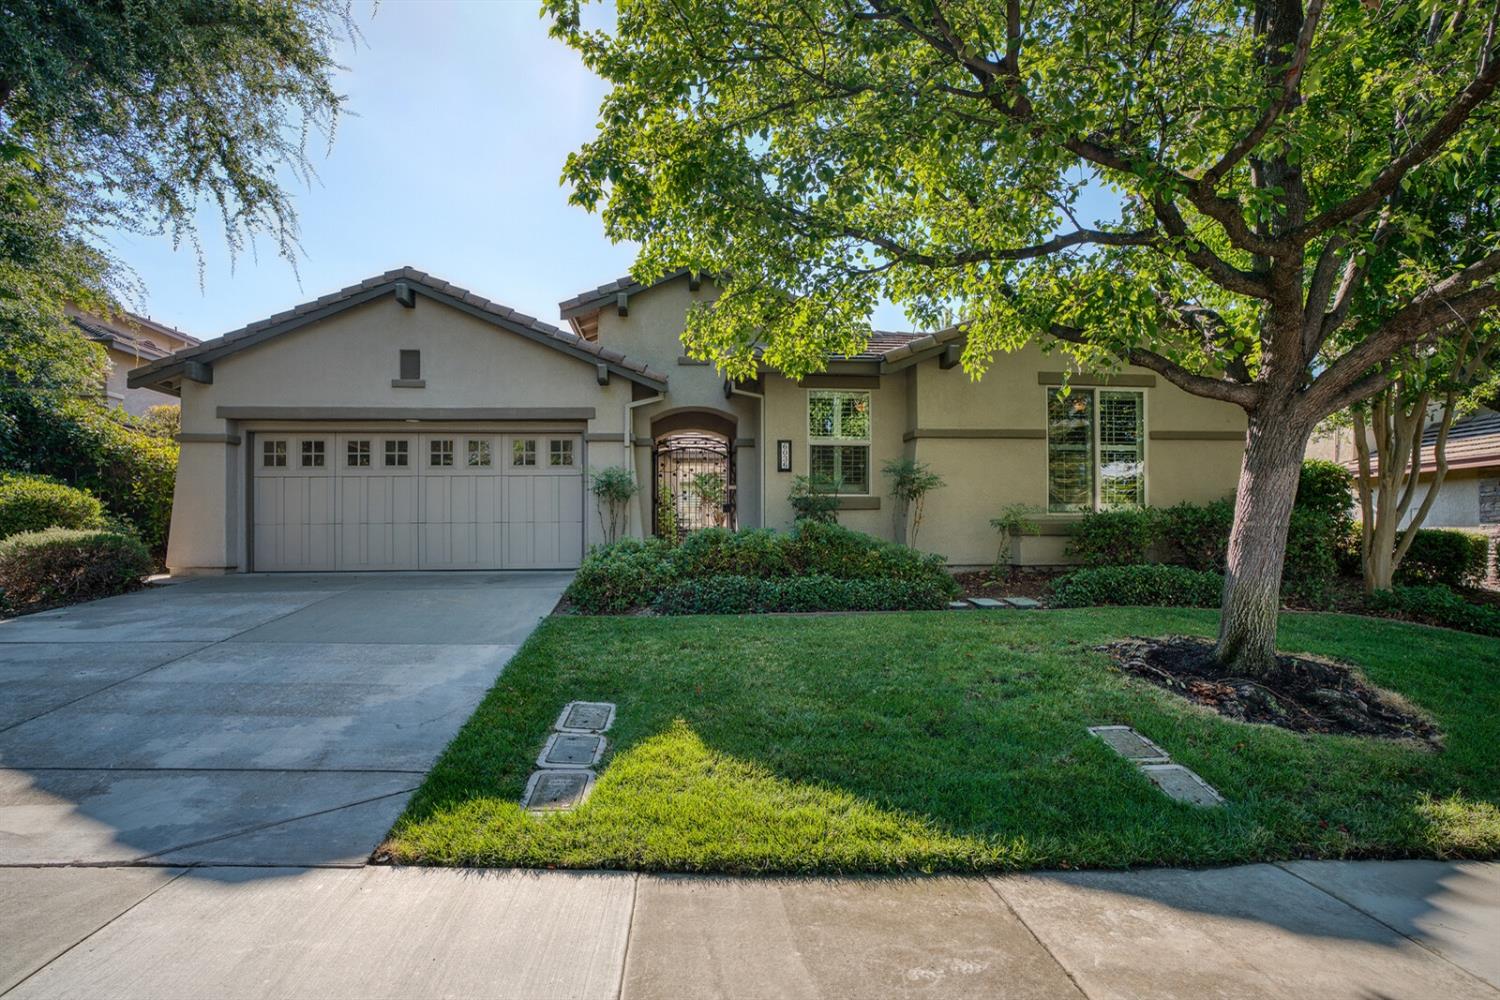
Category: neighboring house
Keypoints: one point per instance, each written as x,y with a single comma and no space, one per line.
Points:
404,423
131,341
1470,495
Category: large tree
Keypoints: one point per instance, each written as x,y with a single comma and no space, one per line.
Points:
819,155
134,114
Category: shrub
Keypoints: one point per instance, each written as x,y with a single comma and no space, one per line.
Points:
1114,537
1151,585
747,595
632,573
1437,605
616,578
814,498
1198,534
1326,488
1451,558
63,565
1311,556
911,481
33,503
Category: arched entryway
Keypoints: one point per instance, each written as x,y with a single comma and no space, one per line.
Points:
693,479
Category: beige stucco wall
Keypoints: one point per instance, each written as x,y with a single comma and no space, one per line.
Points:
652,332
349,360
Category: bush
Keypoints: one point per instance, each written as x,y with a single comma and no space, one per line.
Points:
748,595
616,578
63,565
1312,542
1326,488
632,573
1450,558
1198,534
1437,605
814,498
1114,537
34,503
1148,585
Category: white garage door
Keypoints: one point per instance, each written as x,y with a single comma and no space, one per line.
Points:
374,501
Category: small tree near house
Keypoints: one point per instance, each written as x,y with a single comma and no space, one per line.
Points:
911,481
613,488
1435,385
1273,161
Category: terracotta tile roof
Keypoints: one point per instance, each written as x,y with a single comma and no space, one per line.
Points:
254,333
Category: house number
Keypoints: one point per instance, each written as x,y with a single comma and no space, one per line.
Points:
784,456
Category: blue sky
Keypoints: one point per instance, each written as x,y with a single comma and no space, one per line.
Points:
462,116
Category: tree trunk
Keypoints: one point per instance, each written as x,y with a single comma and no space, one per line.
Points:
1257,542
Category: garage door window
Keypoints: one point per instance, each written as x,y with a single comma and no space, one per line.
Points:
395,454
359,454
440,452
479,454
313,454
560,453
273,454
523,453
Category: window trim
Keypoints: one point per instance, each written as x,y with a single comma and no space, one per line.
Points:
1096,469
868,443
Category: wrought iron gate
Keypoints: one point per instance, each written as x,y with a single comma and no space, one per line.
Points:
695,473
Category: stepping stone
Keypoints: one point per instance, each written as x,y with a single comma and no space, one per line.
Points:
557,791
986,602
1131,745
1022,602
585,717
958,605
571,750
1182,784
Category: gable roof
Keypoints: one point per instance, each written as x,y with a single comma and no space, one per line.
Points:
128,333
166,374
606,293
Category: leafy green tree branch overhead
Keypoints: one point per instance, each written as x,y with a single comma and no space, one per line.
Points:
1270,157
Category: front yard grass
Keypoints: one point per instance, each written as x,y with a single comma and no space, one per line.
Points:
943,741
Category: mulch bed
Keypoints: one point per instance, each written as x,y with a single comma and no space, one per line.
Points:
1019,581
1304,694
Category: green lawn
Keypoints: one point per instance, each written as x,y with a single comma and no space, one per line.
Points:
948,741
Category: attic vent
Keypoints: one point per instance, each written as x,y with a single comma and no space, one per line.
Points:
411,365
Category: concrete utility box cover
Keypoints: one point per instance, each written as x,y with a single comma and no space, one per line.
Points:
555,791
1182,784
586,717
1131,745
571,750
1022,602
986,602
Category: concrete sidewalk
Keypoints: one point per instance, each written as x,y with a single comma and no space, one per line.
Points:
1319,929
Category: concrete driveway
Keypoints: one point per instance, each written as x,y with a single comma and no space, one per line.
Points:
261,720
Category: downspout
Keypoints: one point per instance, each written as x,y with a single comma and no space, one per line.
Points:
730,389
627,417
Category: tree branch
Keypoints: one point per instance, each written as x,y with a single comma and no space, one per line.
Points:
1290,95
1197,253
1476,93
1244,396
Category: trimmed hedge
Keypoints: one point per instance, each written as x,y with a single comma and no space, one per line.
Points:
63,565
1114,537
632,573
1149,585
1437,605
1198,534
1450,558
35,503
727,595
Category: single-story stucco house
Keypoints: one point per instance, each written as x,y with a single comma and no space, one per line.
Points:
130,341
404,423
